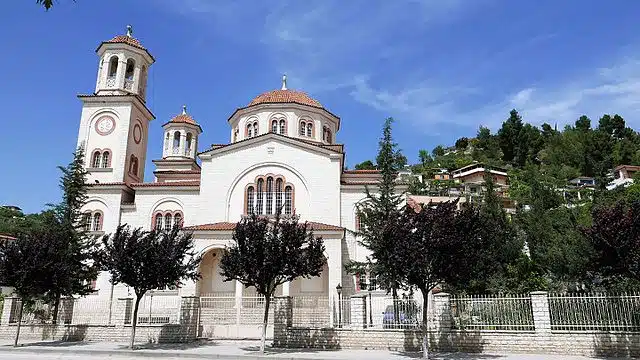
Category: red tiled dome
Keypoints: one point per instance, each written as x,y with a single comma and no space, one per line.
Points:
285,96
183,117
124,39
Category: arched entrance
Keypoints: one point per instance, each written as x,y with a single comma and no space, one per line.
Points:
212,283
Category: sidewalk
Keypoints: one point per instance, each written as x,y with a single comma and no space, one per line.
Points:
241,350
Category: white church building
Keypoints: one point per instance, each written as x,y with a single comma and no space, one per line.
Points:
282,153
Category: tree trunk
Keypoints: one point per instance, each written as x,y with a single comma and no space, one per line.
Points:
15,343
396,312
425,323
134,321
56,307
267,302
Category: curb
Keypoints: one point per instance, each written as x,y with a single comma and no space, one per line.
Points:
153,354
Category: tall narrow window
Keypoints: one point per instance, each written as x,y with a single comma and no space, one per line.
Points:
288,200
95,162
269,202
158,221
105,159
113,66
255,128
329,136
309,129
324,133
176,142
167,141
278,196
131,64
249,130
177,220
283,128
303,127
133,165
86,221
167,221
249,200
274,126
187,148
97,222
259,197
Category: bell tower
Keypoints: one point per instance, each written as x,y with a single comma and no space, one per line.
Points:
115,119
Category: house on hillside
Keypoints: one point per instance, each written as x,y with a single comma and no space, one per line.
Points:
623,176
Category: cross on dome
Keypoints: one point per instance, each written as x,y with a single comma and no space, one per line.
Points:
184,109
284,82
129,31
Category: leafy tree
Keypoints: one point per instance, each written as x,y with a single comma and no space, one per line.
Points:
425,158
74,266
431,245
487,148
147,260
24,265
269,252
438,151
365,165
509,136
616,241
13,222
462,143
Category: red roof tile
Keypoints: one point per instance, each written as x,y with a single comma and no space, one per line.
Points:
126,39
285,96
226,226
168,183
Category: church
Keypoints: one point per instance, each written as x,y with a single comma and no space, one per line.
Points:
282,153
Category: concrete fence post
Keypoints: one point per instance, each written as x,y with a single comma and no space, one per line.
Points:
540,309
6,310
282,320
122,311
358,311
189,317
441,313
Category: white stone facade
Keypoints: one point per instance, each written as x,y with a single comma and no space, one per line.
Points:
283,139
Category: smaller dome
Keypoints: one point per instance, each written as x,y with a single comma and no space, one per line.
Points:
127,39
285,96
183,117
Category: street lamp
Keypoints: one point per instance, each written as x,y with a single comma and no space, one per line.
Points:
339,290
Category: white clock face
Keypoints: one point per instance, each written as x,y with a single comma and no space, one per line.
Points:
105,125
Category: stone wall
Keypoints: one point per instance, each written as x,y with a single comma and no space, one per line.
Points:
443,338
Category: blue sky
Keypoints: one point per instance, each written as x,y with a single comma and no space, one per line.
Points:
441,68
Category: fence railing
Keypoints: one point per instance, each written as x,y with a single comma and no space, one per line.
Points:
71,311
595,312
492,312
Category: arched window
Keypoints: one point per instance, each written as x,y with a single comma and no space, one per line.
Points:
278,195
288,200
249,130
177,220
113,66
309,129
176,142
105,159
249,200
357,222
255,128
329,137
131,65
187,149
167,221
95,161
133,165
269,202
274,126
283,128
303,127
167,141
86,221
259,197
158,222
97,222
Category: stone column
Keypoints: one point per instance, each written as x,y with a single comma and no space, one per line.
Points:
286,288
358,311
540,307
123,311
6,310
238,306
283,319
441,313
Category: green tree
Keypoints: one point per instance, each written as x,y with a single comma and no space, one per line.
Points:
509,136
425,158
365,165
438,151
24,265
431,243
148,260
74,266
267,253
462,143
13,222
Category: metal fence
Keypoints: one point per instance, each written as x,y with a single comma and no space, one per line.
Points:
492,312
155,309
594,312
73,311
227,310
